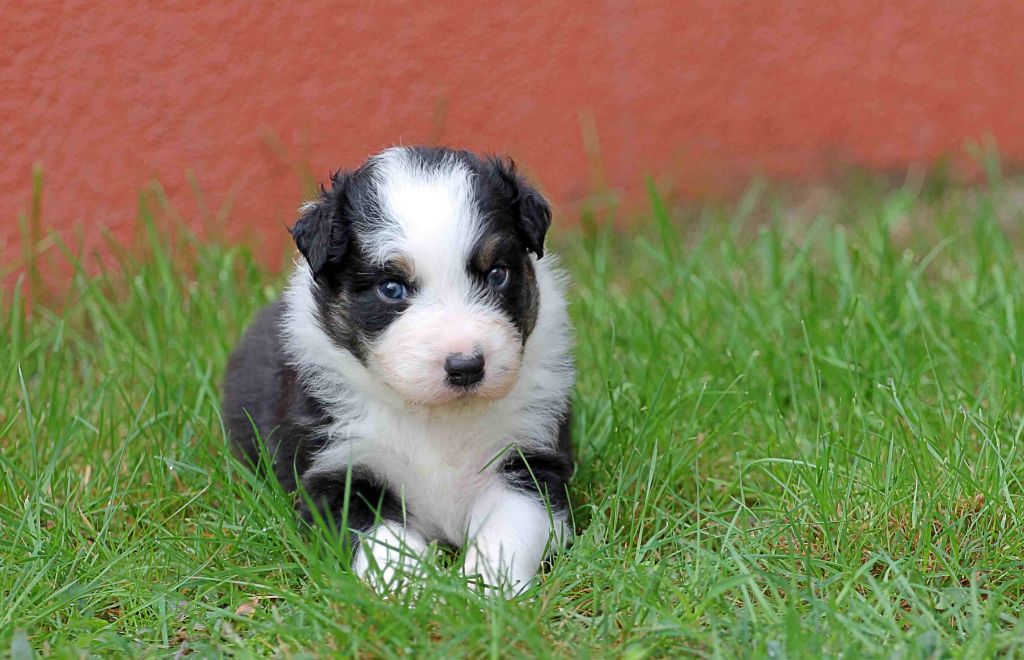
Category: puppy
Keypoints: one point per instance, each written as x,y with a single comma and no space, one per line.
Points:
414,380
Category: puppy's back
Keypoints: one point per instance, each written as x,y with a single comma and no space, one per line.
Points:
254,385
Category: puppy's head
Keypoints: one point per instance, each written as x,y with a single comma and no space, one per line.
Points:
422,264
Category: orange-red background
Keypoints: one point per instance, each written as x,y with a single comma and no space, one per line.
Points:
223,101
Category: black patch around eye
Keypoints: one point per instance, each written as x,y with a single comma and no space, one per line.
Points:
370,312
373,315
518,298
350,310
495,250
352,318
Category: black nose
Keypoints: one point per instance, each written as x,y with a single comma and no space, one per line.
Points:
464,370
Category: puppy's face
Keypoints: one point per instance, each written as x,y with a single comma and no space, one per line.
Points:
423,270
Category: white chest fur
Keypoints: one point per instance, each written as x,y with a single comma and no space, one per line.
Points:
436,465
439,462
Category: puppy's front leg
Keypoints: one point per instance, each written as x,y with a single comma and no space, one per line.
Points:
388,553
509,534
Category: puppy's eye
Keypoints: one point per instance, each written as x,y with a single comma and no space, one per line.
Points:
392,290
497,277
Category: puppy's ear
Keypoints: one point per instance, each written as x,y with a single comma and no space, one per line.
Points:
322,232
532,210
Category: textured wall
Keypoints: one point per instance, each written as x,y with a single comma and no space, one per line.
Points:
227,97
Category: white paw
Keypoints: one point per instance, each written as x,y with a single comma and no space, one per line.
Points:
391,557
499,572
510,533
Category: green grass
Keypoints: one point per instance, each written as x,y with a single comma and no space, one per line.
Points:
794,439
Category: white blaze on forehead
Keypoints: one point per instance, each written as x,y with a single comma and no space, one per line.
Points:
429,220
429,216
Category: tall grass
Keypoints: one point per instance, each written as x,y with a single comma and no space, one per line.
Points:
794,439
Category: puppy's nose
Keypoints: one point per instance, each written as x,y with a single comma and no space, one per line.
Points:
464,370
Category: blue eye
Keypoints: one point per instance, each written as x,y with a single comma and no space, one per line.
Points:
497,277
392,290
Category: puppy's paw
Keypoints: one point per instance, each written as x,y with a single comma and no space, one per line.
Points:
391,558
497,569
510,534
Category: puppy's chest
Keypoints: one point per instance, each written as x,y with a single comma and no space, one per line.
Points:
438,469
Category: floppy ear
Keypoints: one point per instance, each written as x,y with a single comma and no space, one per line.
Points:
532,210
322,233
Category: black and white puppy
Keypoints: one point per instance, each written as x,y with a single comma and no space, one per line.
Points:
419,366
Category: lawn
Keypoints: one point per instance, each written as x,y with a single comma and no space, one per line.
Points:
796,436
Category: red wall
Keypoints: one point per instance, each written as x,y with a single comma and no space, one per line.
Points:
235,95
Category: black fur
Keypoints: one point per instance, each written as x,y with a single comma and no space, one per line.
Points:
368,500
519,300
322,233
545,475
263,391
531,212
265,402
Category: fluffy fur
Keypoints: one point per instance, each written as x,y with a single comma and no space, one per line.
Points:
351,391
